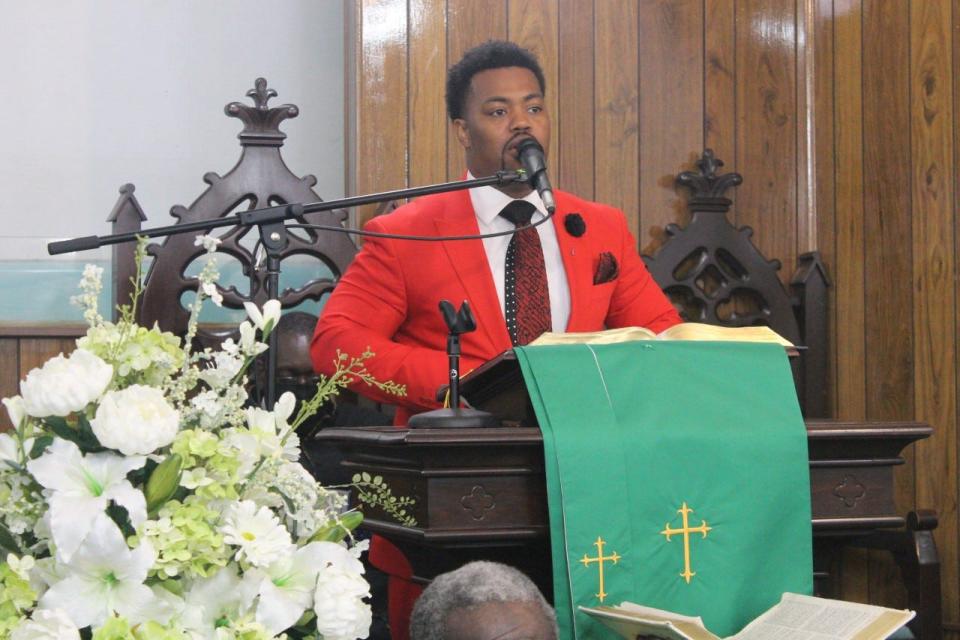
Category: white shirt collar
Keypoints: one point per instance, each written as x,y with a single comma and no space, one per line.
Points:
488,202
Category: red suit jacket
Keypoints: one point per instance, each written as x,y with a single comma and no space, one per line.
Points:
388,298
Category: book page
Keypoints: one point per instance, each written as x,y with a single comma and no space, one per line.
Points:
700,331
610,336
799,617
682,331
650,622
641,610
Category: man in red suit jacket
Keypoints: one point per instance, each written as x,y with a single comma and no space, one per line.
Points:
388,298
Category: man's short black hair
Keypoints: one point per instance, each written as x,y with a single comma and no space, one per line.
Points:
492,54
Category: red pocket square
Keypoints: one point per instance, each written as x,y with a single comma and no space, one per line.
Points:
607,268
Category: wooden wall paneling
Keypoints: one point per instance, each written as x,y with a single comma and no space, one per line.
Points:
671,110
849,229
469,23
887,221
825,166
534,24
805,71
934,309
767,126
848,267
955,60
719,81
573,126
381,108
35,351
616,116
427,68
9,376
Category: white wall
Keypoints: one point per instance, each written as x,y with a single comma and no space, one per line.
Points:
103,92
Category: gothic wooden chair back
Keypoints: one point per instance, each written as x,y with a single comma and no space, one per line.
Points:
259,179
714,274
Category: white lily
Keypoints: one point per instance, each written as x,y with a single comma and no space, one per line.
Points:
47,624
10,450
15,409
266,435
213,600
80,488
266,320
106,577
248,340
287,586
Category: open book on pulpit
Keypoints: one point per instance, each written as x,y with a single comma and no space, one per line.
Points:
796,616
682,331
498,386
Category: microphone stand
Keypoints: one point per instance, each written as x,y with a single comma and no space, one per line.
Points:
273,234
454,416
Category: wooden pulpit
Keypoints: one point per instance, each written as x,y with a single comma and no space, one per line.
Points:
481,494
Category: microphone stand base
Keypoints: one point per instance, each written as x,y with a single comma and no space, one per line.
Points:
453,419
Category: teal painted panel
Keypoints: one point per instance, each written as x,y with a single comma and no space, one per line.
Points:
38,291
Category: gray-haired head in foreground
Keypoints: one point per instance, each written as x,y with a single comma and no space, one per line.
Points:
473,584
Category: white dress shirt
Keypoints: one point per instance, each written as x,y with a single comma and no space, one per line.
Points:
488,202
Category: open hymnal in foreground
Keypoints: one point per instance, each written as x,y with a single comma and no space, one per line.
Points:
682,331
795,617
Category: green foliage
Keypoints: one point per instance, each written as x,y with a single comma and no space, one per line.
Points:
163,482
338,529
374,492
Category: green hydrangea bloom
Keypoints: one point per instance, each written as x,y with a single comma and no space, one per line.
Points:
16,597
186,540
138,355
246,630
114,629
21,504
117,628
210,468
194,445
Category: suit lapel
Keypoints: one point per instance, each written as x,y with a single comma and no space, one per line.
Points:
577,262
469,262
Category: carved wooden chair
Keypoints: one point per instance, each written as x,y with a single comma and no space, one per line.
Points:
714,274
259,179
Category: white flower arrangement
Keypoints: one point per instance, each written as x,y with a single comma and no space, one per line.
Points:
142,498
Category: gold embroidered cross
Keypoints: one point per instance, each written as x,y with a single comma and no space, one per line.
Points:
600,559
686,530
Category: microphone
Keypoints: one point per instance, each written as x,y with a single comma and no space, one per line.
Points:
534,163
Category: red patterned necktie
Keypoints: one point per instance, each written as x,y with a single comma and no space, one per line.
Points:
526,298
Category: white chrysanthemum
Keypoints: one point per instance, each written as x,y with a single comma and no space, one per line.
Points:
135,421
64,385
338,602
47,624
261,539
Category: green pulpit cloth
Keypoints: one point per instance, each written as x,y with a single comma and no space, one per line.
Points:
677,478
